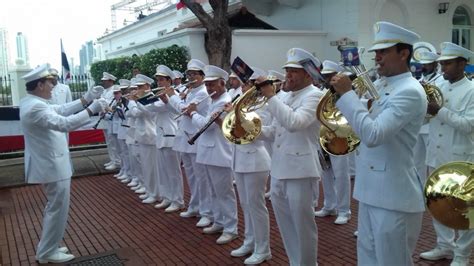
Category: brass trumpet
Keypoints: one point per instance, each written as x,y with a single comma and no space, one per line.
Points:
433,94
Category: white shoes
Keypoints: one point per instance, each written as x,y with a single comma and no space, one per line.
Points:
141,190
133,183
204,222
174,207
324,213
267,195
111,167
226,238
63,250
242,251
143,196
107,164
214,229
56,257
342,219
460,261
164,204
189,214
257,259
356,233
437,254
149,200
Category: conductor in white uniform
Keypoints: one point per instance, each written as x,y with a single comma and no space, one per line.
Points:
387,186
47,159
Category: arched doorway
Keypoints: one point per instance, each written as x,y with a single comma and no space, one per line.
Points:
462,27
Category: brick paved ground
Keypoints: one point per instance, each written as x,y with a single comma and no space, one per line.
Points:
105,215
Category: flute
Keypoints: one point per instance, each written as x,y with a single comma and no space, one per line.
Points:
102,116
193,139
197,103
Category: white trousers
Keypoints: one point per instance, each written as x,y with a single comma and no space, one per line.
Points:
223,200
124,157
294,213
337,185
54,217
251,188
420,156
135,162
386,237
112,146
198,183
150,176
446,237
171,178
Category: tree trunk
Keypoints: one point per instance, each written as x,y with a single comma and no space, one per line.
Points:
218,37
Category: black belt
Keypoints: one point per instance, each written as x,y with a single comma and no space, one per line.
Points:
169,136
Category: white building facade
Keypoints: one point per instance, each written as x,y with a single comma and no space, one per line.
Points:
22,52
309,24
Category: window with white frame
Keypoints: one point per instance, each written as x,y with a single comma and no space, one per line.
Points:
461,34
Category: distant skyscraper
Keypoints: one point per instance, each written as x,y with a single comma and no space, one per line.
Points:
4,52
86,54
22,48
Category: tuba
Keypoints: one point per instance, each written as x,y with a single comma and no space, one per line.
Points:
243,125
336,136
449,193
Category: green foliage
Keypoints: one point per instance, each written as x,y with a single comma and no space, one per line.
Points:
174,57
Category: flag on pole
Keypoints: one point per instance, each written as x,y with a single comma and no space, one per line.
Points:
66,72
181,4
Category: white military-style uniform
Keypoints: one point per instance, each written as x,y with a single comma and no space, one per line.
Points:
295,170
47,161
168,164
451,138
125,169
200,188
61,94
234,92
214,152
133,146
389,191
107,125
251,168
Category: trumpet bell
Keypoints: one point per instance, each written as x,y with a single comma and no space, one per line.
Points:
449,193
243,130
335,134
433,95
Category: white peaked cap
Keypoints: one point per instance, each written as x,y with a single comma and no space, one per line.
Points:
196,65
387,34
450,50
108,76
41,71
213,73
295,55
142,79
133,83
164,71
275,75
257,72
427,57
124,83
331,67
178,74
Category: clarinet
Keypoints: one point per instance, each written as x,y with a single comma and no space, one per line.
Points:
102,116
193,139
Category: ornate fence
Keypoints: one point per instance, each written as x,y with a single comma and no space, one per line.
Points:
5,91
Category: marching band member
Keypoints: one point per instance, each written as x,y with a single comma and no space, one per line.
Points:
251,167
145,135
295,169
112,117
168,163
122,108
111,142
451,138
214,153
178,78
336,178
47,159
61,92
430,75
387,186
200,201
235,85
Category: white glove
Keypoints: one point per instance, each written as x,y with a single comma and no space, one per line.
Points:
98,106
93,93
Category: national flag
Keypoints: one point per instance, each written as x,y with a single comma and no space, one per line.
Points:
66,72
181,4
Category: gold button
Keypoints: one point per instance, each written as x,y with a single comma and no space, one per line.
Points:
440,135
278,146
442,123
438,147
371,167
297,153
450,89
446,101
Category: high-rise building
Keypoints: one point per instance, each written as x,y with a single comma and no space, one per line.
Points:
86,54
4,52
22,48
